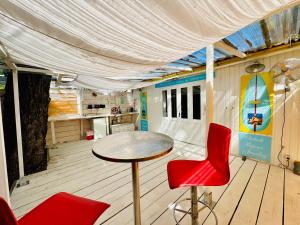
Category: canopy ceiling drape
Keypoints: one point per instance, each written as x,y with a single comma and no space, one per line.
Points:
107,42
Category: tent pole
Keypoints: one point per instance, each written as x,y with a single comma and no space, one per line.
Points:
209,84
4,190
80,109
18,123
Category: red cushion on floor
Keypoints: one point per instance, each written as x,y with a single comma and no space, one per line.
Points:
183,173
6,215
65,209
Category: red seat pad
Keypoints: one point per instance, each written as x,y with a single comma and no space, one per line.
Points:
6,215
183,173
65,209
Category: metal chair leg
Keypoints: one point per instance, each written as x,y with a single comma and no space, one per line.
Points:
211,210
194,207
180,210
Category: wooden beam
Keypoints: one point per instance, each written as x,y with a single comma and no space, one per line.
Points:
53,136
209,84
4,189
176,62
190,63
18,123
5,57
8,61
35,70
233,61
229,50
266,33
57,83
229,43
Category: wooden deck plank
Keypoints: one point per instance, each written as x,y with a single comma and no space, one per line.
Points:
248,208
292,199
105,176
272,203
153,169
167,216
225,207
250,193
49,175
91,172
122,197
81,183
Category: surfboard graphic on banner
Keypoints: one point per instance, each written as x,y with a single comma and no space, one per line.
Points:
256,109
144,111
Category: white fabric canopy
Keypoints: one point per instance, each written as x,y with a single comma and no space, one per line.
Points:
102,41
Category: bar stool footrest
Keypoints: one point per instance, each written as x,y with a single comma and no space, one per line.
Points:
189,213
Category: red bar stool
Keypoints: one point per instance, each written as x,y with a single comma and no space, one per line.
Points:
214,171
60,209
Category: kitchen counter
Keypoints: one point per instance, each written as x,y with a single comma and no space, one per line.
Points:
58,125
76,117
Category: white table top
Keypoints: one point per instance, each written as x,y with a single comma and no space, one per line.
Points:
134,146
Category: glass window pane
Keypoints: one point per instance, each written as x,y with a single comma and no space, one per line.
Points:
196,102
184,102
165,103
174,103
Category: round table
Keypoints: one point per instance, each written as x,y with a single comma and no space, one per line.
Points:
133,147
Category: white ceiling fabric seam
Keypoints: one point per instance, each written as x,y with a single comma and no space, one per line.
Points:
103,40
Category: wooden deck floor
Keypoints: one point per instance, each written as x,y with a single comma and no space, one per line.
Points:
256,194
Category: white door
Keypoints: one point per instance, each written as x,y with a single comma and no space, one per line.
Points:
183,112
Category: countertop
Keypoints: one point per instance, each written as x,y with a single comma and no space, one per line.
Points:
76,117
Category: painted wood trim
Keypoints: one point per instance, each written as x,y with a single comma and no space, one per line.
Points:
53,137
18,123
209,85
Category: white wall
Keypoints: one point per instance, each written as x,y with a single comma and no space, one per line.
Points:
189,130
226,109
110,100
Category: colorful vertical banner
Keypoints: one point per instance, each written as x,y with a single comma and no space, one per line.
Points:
144,111
256,110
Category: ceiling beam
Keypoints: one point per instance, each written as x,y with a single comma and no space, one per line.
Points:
180,63
35,70
233,61
6,58
266,33
187,62
229,49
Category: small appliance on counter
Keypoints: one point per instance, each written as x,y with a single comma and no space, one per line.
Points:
114,110
99,127
89,135
296,167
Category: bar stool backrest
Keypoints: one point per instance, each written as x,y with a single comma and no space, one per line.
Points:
218,144
6,215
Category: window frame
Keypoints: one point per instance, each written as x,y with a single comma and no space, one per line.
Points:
194,106
174,103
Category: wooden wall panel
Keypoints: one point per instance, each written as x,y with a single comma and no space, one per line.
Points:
64,131
226,109
63,101
227,93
